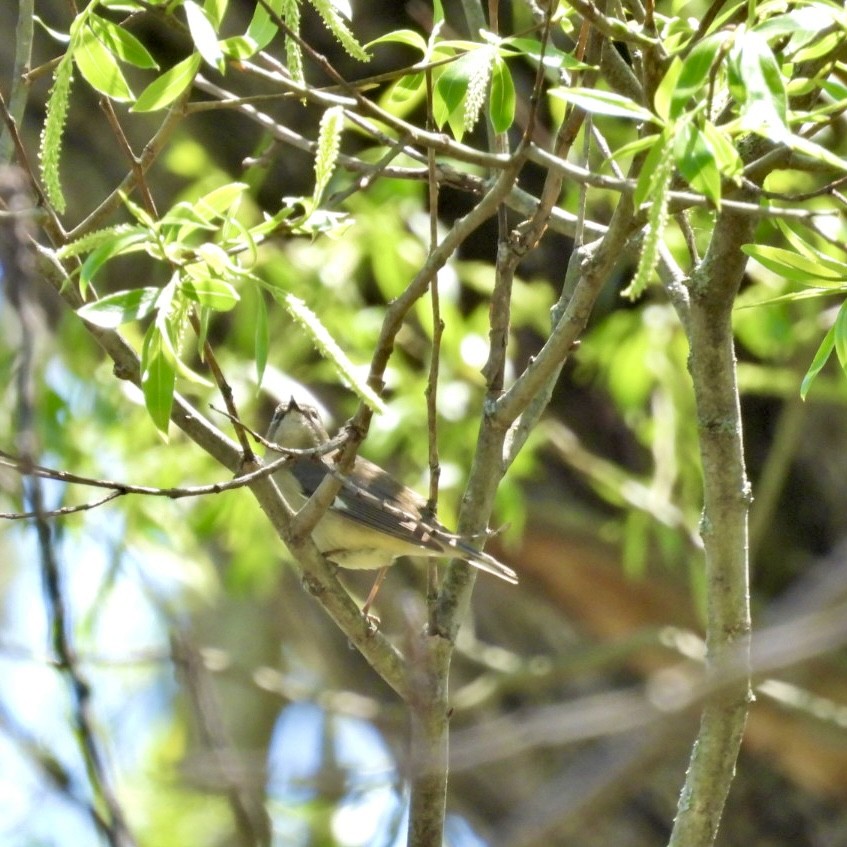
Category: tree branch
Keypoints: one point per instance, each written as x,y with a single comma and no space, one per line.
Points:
726,495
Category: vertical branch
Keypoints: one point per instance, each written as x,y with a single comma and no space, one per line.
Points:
18,95
428,661
437,332
17,263
713,286
437,322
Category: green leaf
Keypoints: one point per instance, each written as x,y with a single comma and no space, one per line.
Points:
55,34
158,378
216,258
328,348
401,36
815,151
215,10
213,293
695,72
806,249
634,147
219,201
664,90
794,297
814,30
726,156
604,103
406,89
793,266
262,27
125,242
451,86
120,308
696,161
238,47
756,83
501,105
99,67
819,48
262,338
840,328
170,85
821,358
553,58
203,35
128,7
122,43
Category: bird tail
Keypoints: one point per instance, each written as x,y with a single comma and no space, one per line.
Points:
482,561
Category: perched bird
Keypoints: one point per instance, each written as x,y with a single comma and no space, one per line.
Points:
374,518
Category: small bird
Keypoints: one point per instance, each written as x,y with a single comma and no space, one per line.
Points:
374,518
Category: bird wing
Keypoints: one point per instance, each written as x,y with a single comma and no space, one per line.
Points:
394,509
378,507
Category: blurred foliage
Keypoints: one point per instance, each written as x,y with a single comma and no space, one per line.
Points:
141,568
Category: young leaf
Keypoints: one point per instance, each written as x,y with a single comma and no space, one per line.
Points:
122,43
262,338
821,358
451,85
756,83
124,242
99,67
212,293
726,156
634,147
170,85
401,36
238,47
793,266
663,98
203,35
695,160
158,378
215,10
501,106
219,200
809,250
531,48
604,103
113,310
405,91
840,328
262,28
815,151
695,72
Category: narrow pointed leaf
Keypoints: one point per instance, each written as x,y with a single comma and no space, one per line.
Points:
119,308
169,86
